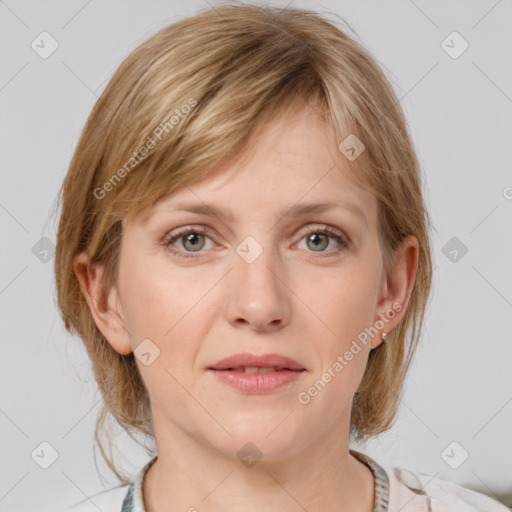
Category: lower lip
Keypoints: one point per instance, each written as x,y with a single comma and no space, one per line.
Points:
257,382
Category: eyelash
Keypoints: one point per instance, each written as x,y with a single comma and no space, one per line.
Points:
169,239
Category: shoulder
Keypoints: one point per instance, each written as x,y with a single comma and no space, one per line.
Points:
415,491
107,501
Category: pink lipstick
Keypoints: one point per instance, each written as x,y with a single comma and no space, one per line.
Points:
257,373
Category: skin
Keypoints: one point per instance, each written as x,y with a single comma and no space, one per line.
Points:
293,300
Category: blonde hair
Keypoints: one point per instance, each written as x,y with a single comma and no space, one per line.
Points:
235,67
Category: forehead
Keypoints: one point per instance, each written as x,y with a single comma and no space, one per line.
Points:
292,166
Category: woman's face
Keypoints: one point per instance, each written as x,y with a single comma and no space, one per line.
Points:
262,280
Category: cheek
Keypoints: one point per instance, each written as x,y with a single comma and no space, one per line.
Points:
174,310
147,304
344,304
170,313
347,308
154,298
352,312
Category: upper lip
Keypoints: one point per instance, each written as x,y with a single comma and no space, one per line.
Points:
263,361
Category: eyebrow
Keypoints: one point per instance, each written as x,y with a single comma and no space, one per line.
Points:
296,210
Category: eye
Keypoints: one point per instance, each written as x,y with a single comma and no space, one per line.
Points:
318,240
191,239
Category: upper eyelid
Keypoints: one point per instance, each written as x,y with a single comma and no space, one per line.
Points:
209,232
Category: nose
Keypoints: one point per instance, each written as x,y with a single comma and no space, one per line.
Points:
258,295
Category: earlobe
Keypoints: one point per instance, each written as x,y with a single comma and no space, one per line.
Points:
105,306
398,286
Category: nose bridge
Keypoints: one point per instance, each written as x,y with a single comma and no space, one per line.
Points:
258,292
258,263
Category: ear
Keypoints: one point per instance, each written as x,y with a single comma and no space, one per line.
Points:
396,289
105,306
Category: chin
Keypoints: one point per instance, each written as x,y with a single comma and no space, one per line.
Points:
268,439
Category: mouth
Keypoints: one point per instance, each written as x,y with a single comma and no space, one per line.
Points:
257,379
258,369
257,363
257,373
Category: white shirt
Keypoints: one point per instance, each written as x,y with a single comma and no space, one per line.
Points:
396,490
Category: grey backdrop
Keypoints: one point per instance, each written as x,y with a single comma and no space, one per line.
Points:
459,104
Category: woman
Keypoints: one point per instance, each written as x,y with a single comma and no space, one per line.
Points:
244,249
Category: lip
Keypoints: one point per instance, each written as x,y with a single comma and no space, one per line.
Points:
287,371
257,383
254,360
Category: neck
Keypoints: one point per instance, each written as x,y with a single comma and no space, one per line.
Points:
191,476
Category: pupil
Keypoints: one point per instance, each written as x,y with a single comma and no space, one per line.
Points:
192,238
317,239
